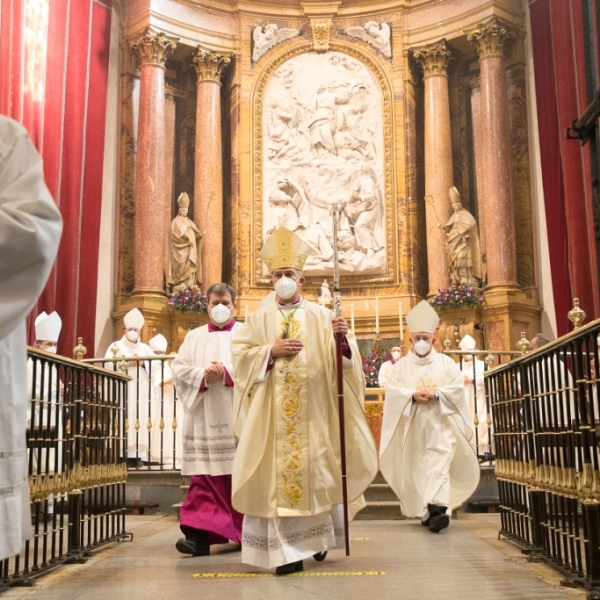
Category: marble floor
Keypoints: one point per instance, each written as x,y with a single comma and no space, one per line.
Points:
390,559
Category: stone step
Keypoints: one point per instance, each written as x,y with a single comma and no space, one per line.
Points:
380,492
381,510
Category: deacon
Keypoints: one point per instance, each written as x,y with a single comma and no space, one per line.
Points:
202,374
138,388
473,371
425,452
286,472
396,354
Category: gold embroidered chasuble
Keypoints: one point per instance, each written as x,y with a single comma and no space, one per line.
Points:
288,459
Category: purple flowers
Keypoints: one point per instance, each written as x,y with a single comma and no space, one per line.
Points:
457,296
189,299
372,363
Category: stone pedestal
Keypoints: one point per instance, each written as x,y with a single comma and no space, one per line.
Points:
455,323
183,322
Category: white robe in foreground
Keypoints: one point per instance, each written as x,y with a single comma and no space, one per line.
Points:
475,395
425,453
208,441
30,229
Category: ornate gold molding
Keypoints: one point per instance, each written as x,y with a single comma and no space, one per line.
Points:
153,47
321,29
433,58
210,65
490,37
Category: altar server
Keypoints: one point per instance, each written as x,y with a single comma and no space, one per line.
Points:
425,452
386,367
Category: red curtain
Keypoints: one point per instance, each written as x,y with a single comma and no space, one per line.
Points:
53,79
557,41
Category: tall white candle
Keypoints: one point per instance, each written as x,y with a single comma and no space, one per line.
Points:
376,315
352,316
246,312
400,317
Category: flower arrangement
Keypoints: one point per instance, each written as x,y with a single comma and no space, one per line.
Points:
457,296
189,299
372,363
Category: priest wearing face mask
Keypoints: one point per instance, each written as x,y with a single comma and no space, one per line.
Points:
286,472
202,376
138,389
396,354
425,453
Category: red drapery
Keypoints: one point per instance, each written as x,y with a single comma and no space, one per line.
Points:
557,41
53,79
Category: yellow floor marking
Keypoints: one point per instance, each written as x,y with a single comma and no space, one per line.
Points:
299,574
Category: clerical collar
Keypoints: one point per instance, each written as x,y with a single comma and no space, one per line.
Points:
212,327
126,342
292,304
422,360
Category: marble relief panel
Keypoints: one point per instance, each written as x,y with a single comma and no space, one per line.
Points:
323,142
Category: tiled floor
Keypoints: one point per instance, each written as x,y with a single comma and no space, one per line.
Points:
390,559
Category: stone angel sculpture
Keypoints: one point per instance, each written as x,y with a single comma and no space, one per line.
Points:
377,35
269,36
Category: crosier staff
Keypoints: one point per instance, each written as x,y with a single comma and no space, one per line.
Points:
336,210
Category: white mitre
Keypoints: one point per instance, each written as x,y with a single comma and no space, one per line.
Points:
134,318
158,343
422,318
467,343
47,327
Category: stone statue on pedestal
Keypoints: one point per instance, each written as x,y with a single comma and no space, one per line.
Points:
462,243
184,268
325,296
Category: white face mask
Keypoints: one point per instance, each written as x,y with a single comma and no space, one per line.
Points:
285,288
220,314
396,355
422,347
132,336
51,349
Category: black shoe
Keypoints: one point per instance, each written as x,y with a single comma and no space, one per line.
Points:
320,556
290,568
439,522
426,522
190,547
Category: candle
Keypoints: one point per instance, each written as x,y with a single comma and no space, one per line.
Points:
246,312
400,316
376,315
352,316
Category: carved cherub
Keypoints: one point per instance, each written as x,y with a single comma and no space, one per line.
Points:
268,36
377,35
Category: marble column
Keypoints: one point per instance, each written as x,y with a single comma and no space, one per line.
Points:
208,169
433,60
153,48
495,181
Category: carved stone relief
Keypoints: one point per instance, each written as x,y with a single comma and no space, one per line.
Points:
323,142
375,34
268,36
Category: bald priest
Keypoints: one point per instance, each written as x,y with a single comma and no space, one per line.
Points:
425,453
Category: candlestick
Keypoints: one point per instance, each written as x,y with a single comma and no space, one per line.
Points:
400,317
376,315
352,316
246,312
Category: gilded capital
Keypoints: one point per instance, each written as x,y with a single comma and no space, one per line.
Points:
433,58
490,37
153,47
210,65
321,29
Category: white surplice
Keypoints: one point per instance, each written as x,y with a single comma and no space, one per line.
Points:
138,395
425,453
30,229
208,441
475,396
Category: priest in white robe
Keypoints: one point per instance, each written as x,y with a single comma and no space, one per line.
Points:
138,389
386,367
286,472
425,453
31,226
202,374
166,439
473,370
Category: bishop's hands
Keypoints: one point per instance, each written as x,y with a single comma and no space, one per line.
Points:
424,396
339,325
286,347
214,372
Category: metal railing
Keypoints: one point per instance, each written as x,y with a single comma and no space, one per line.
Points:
545,415
153,416
77,469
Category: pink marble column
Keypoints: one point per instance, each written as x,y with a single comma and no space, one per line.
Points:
208,170
152,47
495,178
434,59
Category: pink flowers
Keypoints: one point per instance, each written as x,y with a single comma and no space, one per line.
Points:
457,296
189,299
371,365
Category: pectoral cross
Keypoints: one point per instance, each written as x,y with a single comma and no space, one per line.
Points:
219,426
